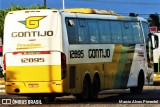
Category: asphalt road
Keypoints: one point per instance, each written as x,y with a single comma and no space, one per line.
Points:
116,98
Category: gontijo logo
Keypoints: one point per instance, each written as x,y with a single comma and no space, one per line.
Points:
32,22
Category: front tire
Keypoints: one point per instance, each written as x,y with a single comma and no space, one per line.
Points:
139,88
136,90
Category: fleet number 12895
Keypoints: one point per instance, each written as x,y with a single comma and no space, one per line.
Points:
32,60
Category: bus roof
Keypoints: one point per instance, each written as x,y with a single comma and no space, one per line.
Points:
90,11
83,11
102,12
32,10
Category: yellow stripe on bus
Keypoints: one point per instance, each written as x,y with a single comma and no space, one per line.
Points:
34,79
33,73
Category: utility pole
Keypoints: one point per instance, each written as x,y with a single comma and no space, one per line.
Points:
44,3
63,4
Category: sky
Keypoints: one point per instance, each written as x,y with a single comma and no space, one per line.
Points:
119,6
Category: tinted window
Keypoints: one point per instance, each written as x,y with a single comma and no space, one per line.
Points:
93,31
83,32
146,30
104,31
72,30
88,31
137,33
116,31
127,32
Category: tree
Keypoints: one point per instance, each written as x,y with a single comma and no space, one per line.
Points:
3,13
154,20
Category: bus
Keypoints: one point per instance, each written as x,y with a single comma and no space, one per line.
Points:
156,53
78,51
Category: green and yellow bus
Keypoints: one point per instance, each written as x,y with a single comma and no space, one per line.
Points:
78,51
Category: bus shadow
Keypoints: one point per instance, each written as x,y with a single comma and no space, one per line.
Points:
114,98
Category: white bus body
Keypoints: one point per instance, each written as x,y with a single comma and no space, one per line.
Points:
52,51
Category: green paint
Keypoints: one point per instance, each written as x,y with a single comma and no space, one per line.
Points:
121,65
128,64
23,22
124,66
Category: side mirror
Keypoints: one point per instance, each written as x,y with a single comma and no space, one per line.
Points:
153,42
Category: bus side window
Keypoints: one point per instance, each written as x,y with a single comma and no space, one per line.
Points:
104,31
127,33
137,32
146,30
116,31
72,31
83,32
93,31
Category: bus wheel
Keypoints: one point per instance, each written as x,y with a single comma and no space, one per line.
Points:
86,91
139,88
95,89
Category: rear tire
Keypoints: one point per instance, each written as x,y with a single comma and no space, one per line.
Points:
86,91
95,89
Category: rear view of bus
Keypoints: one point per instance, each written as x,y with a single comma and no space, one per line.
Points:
33,53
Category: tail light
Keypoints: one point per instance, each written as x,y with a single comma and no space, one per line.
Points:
63,65
4,62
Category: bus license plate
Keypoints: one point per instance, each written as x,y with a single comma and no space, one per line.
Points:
33,85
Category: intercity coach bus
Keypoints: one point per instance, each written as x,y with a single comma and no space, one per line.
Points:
79,51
